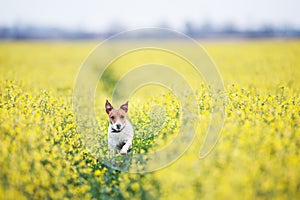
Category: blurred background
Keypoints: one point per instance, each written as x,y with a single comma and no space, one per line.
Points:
33,19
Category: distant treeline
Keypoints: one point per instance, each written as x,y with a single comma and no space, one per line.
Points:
204,31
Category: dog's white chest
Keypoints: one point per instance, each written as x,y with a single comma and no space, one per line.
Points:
116,138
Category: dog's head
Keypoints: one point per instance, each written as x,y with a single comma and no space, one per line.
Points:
117,117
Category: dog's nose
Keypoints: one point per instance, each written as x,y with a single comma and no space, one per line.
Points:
118,126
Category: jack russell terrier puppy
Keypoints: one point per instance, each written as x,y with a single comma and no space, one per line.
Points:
120,131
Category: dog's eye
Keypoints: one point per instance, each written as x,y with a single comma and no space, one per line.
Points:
122,116
112,117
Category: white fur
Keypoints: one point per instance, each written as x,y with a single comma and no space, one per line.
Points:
125,136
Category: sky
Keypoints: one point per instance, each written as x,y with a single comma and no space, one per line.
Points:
97,15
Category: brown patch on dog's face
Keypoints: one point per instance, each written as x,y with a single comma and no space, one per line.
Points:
117,117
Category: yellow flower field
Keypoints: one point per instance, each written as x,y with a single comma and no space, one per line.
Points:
42,155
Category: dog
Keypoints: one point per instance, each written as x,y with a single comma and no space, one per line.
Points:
120,131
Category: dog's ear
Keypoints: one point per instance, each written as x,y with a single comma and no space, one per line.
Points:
108,107
125,106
